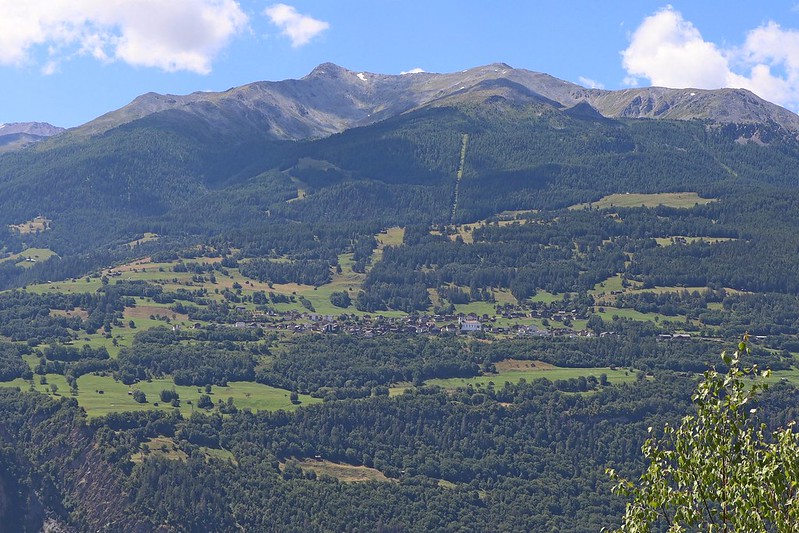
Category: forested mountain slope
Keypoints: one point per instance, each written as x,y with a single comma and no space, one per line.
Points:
188,175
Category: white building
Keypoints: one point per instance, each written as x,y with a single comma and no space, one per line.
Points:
470,325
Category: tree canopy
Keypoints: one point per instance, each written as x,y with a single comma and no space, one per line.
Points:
721,469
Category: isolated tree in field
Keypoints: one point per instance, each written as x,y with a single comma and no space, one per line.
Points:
719,470
205,402
340,299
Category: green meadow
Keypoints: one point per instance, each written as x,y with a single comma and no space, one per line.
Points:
115,395
531,371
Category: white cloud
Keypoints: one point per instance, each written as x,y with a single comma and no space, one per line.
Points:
416,70
669,51
174,35
591,84
300,29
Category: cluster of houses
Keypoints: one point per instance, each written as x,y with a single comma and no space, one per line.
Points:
368,325
371,326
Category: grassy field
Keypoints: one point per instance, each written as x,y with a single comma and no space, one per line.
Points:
122,336
608,313
669,199
163,274
514,370
28,258
546,297
115,397
32,226
612,284
543,370
342,471
477,308
347,281
465,231
791,376
166,448
603,290
161,447
519,213
391,237
146,237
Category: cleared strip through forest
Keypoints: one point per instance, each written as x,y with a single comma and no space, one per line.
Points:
459,176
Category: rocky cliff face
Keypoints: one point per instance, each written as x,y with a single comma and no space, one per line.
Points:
54,476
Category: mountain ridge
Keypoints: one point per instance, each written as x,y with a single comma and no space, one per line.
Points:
17,135
331,99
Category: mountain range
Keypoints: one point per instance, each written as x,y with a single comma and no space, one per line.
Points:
332,99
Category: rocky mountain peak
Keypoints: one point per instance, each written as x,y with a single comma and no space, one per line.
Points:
327,70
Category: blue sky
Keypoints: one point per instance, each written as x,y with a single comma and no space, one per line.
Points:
68,61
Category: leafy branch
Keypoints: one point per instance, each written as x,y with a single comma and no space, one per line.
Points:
719,470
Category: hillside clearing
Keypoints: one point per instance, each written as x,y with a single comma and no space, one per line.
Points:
344,472
38,224
29,257
668,199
